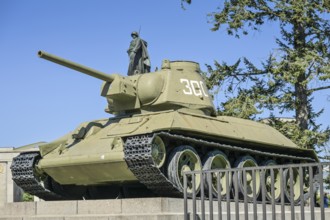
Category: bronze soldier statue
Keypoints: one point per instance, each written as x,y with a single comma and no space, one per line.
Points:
138,55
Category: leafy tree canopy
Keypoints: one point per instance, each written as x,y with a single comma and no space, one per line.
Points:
287,80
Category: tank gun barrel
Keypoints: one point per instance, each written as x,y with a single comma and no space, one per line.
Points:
77,67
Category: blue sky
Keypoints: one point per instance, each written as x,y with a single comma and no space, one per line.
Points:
41,101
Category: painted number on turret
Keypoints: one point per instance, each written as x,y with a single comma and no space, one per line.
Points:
193,87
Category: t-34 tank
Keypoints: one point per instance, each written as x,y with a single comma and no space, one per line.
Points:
164,123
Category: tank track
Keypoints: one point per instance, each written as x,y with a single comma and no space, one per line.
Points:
138,157
200,142
24,176
137,150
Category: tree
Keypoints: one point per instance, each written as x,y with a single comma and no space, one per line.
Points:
284,82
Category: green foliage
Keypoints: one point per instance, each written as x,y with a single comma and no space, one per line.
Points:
303,138
27,197
241,106
327,181
284,82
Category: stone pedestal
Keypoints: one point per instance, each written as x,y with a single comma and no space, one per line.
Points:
136,209
9,192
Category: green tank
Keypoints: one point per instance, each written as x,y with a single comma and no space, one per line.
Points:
163,123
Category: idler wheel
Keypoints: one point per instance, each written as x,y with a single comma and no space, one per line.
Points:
276,181
217,160
182,159
244,162
158,151
295,184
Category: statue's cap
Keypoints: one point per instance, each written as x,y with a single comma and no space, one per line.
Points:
134,33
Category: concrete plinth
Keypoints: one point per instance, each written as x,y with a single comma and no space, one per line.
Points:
130,209
147,208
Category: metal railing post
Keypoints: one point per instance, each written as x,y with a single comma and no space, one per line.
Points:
263,193
185,197
321,191
282,181
210,186
272,178
311,192
254,186
194,196
246,211
202,196
219,189
302,200
228,194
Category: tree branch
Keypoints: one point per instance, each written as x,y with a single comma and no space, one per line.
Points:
309,71
319,88
246,74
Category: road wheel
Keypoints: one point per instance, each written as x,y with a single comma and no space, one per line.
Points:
295,185
217,160
245,162
158,151
276,181
182,159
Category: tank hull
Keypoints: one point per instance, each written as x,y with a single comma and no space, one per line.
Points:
99,158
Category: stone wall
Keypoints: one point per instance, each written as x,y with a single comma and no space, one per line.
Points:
9,192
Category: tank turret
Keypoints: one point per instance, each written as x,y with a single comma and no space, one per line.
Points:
178,85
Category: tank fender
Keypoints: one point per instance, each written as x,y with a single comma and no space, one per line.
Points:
29,147
84,130
49,147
